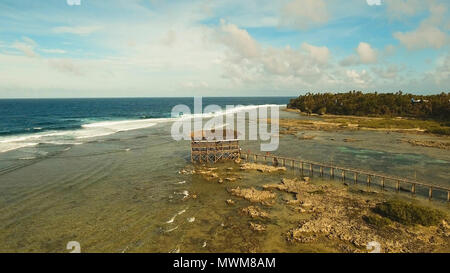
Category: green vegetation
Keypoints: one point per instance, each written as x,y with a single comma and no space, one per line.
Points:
440,131
430,126
377,221
408,213
434,108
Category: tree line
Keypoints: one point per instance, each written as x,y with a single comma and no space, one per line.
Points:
375,104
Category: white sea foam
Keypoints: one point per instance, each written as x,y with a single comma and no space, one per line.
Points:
171,219
176,250
60,142
185,193
233,110
111,127
172,229
73,137
27,158
10,146
99,129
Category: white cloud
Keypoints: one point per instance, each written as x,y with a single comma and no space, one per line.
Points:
149,67
27,47
170,50
53,51
320,54
239,40
78,30
247,63
170,38
389,72
423,37
359,78
398,8
441,73
365,54
350,60
428,34
29,41
65,66
196,85
303,14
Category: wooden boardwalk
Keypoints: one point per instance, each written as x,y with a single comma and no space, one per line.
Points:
308,166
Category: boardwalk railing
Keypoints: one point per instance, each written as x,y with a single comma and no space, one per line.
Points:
308,166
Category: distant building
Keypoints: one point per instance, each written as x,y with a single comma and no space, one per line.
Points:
419,101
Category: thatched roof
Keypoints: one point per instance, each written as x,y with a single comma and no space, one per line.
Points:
214,134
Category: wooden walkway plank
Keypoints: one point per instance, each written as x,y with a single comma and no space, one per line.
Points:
356,172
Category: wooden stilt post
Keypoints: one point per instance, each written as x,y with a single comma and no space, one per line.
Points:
211,154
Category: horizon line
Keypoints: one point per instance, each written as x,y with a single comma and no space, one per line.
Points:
250,96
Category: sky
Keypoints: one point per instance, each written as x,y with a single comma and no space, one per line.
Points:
162,48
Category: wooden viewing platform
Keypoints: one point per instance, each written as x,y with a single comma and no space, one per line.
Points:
369,175
214,145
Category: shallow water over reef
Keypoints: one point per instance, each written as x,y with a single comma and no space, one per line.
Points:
123,192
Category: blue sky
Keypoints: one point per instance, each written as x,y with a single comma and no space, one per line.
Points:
150,48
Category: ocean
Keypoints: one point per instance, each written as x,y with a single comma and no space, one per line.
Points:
29,122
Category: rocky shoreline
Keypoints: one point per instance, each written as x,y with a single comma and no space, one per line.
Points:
430,143
342,216
297,127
